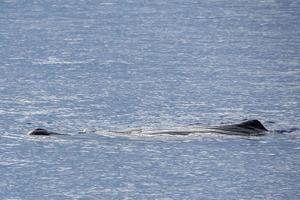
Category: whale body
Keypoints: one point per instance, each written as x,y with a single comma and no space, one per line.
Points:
41,131
246,128
250,127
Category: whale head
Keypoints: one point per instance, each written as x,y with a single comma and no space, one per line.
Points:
39,131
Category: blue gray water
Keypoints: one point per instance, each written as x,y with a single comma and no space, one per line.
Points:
109,65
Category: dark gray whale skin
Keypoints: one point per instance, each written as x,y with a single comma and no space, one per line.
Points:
247,128
42,132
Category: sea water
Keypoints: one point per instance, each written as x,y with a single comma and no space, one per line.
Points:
100,66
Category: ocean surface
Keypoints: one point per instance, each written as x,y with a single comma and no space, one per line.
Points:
90,68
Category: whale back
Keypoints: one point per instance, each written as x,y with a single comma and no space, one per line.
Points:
250,127
252,124
39,131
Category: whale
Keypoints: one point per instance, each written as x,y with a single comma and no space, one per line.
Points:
246,128
42,132
249,127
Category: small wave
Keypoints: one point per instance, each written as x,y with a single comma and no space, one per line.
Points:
58,61
289,130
